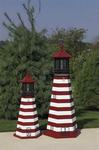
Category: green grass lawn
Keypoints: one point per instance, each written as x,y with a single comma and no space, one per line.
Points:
85,119
88,119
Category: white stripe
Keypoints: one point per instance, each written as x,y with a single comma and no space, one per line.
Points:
61,89
61,120
25,127
27,99
28,106
58,129
62,104
27,113
26,134
61,81
28,120
61,96
59,113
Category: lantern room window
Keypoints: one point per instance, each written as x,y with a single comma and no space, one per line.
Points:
27,89
61,65
27,86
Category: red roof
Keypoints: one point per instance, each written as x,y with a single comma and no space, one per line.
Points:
62,54
27,79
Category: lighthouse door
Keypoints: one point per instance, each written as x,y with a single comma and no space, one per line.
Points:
28,133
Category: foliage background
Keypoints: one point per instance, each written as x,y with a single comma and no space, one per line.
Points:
28,50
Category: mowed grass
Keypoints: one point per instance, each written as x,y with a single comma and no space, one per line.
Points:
88,119
10,125
85,119
7,125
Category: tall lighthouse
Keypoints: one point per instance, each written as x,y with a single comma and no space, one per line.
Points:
61,118
27,124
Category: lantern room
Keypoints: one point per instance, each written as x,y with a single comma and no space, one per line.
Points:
27,86
61,61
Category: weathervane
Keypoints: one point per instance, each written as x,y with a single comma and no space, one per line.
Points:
61,43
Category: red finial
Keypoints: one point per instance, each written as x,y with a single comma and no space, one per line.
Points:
61,44
61,53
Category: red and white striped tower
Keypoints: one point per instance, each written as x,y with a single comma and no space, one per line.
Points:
27,124
61,119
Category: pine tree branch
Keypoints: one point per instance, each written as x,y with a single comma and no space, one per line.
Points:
95,92
20,19
11,29
39,6
29,2
30,10
9,19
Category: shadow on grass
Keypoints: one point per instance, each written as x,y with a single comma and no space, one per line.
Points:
80,112
83,122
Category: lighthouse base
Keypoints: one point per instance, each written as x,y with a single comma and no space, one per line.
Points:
55,134
31,137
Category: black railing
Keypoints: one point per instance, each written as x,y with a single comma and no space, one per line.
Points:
29,93
58,71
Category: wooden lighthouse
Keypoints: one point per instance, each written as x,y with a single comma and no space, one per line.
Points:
27,124
61,118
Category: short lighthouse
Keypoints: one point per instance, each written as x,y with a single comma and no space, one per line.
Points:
61,118
27,124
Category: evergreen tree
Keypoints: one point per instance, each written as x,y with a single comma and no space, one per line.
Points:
87,79
25,52
73,39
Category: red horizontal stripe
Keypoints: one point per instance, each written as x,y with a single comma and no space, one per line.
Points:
62,100
61,108
27,130
61,93
28,117
27,137
62,117
27,123
62,77
62,124
27,103
61,85
27,110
